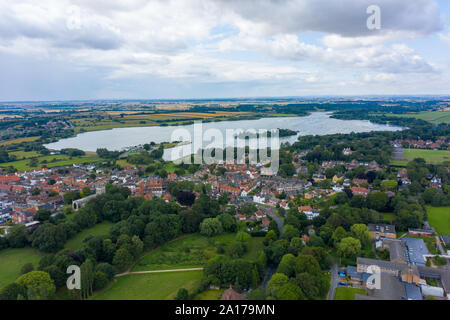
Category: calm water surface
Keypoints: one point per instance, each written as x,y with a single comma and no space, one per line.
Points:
318,123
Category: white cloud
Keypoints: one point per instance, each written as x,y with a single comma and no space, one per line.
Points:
214,41
445,38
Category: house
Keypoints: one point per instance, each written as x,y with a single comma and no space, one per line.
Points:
284,205
403,173
318,177
305,209
347,152
420,232
338,178
358,191
260,214
359,182
382,231
231,294
397,250
416,251
309,212
265,223
259,199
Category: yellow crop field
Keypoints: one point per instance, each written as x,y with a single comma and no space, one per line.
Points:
20,140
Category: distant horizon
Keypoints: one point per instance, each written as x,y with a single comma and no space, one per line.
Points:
306,97
72,50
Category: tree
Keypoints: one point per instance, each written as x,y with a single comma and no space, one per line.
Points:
270,237
17,236
211,227
391,185
13,291
307,263
182,294
87,278
49,238
287,170
349,247
243,237
38,284
273,226
338,235
256,294
100,280
42,215
122,259
377,201
228,222
70,196
275,283
289,232
86,191
296,245
27,267
290,291
186,198
137,247
287,265
361,232
107,269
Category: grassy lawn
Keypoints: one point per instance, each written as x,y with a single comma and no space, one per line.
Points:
209,295
12,260
255,246
439,218
158,286
431,156
24,154
50,161
343,293
399,163
191,252
100,229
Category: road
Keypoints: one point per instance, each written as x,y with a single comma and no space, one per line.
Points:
158,271
397,154
334,281
438,242
277,219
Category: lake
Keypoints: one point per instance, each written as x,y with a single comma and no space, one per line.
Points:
317,123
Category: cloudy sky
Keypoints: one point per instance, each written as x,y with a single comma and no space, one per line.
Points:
102,49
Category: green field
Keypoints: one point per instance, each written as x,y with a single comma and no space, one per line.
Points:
50,161
12,260
157,286
191,252
430,156
210,295
24,154
343,293
439,218
435,117
100,229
